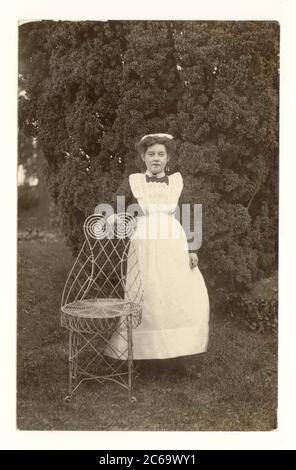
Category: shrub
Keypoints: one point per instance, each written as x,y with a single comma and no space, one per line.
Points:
257,311
93,88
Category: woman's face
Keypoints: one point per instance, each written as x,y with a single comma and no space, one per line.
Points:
156,158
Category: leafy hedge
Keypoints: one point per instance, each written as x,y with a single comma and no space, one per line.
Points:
95,87
258,314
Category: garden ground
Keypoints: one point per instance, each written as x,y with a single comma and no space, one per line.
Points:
237,390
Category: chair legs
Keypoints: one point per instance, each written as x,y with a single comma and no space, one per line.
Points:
73,362
87,360
130,358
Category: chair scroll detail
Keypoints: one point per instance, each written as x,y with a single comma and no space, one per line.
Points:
102,296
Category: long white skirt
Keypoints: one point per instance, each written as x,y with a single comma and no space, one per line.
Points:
175,309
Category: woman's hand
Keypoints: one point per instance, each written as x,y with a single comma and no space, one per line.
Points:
193,260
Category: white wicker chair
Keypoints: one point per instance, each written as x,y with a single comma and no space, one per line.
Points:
102,296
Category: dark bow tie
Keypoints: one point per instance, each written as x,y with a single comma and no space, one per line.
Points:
162,179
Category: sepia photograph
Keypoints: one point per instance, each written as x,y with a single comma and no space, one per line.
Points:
147,225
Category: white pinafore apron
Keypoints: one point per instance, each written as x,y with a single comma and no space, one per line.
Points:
175,314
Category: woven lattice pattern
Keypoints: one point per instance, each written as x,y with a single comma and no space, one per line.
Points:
102,296
98,314
103,267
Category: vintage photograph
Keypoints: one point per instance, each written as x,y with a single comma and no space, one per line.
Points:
148,207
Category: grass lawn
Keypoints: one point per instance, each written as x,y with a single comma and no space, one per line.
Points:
237,390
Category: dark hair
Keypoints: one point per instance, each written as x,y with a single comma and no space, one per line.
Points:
142,145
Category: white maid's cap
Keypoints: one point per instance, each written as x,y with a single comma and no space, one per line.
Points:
168,136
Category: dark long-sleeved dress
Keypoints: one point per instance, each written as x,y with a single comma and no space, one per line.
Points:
175,309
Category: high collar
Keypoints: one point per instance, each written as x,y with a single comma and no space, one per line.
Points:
159,175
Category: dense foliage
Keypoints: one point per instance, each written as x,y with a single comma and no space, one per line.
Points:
95,87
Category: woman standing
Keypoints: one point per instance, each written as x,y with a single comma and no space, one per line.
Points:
175,313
